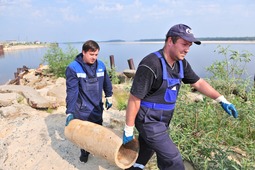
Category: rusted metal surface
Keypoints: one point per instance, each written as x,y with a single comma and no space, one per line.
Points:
112,63
1,50
131,64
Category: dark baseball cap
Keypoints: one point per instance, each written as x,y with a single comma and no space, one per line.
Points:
184,32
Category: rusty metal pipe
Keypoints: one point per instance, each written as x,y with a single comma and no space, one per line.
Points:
103,142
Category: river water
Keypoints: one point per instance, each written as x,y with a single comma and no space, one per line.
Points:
200,56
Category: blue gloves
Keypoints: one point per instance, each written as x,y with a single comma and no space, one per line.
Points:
128,134
69,117
108,102
228,107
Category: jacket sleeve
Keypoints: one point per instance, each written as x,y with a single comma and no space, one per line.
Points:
72,89
107,85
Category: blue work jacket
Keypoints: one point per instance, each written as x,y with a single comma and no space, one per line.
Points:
85,85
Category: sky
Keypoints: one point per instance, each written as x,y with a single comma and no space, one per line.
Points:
102,20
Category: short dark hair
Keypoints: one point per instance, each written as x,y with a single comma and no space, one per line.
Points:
90,45
174,38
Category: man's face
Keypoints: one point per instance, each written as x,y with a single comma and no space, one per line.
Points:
179,49
90,56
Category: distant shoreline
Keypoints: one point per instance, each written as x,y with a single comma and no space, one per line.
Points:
22,47
228,42
162,42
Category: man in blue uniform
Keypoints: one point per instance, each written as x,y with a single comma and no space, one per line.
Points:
153,96
86,79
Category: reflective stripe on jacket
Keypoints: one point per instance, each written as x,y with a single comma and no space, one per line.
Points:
84,93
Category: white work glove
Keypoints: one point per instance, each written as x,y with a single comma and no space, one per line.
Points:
128,134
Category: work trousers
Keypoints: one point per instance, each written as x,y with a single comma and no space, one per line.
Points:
168,156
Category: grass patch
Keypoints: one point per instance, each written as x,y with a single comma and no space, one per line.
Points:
209,138
121,95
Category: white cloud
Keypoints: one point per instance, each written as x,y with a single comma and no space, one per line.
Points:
125,18
69,14
108,8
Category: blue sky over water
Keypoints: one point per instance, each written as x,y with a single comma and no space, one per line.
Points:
101,20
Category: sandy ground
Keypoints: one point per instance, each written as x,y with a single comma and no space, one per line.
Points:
23,47
34,140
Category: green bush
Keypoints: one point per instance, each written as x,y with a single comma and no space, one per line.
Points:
113,75
229,75
58,60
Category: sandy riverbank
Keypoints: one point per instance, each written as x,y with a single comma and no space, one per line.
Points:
34,139
22,47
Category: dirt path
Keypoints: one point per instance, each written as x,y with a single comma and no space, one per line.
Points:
34,140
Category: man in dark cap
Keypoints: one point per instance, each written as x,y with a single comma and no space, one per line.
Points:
153,96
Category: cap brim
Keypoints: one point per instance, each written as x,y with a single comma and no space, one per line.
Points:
192,39
197,42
